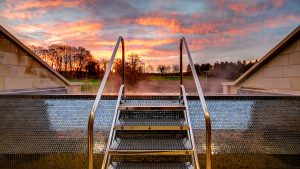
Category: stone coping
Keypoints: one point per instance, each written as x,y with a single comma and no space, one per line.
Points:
144,97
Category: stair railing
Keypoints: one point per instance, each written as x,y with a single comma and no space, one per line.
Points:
201,97
98,98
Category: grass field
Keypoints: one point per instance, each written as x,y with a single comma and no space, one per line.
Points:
90,81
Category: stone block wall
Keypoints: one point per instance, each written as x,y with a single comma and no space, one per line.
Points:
19,70
282,73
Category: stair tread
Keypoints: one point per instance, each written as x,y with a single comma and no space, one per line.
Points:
151,129
151,106
151,122
151,144
150,165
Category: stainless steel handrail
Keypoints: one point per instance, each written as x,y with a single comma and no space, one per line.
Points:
202,100
104,162
98,97
189,121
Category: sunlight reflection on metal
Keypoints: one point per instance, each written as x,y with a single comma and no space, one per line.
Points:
98,98
202,100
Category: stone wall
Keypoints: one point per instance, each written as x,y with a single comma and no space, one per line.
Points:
282,73
19,70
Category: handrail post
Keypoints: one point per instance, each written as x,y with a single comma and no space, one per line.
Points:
91,140
180,65
97,100
203,103
208,140
123,65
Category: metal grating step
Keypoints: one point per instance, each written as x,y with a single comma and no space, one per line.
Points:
151,140
151,144
154,158
149,119
151,124
150,166
151,106
151,115
151,134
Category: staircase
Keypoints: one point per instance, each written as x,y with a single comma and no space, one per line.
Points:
150,135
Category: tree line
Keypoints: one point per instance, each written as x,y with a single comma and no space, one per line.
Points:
78,62
227,70
70,61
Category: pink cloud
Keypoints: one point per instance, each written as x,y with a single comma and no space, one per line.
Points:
24,5
237,7
23,9
79,33
169,23
214,41
253,7
278,3
225,23
174,25
140,42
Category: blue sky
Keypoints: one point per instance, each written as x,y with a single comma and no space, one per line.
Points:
216,30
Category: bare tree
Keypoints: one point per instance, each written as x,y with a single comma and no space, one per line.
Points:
168,69
175,68
64,58
134,62
149,68
161,69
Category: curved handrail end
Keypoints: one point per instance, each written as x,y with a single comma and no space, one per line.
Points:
98,97
202,101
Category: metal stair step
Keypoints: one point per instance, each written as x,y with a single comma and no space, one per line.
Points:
151,140
151,144
151,124
152,158
131,106
150,166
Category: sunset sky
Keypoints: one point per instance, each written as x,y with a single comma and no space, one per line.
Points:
223,30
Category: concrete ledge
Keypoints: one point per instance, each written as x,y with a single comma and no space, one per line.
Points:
74,88
255,91
58,90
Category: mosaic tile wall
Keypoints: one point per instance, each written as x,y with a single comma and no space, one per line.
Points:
50,131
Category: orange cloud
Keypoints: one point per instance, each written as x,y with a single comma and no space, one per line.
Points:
24,5
171,24
22,14
80,33
150,42
139,42
23,9
82,27
107,53
174,25
202,28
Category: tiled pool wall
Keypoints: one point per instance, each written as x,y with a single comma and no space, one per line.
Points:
51,131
